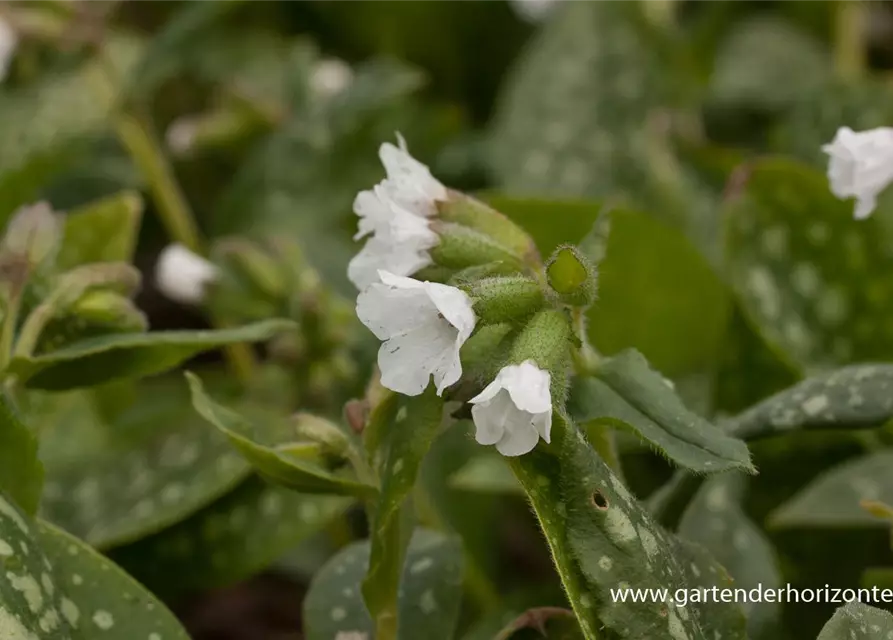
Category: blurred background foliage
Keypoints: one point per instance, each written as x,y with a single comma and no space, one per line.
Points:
730,265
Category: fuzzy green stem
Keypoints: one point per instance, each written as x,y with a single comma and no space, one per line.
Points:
10,321
849,49
585,357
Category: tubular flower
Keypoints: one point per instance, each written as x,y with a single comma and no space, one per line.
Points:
182,275
861,166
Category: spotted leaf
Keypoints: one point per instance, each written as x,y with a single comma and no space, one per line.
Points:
21,472
795,255
254,439
716,520
94,361
626,392
602,539
231,539
857,621
98,600
430,591
103,231
857,396
833,498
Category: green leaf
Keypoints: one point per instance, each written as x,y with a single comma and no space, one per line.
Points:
99,600
103,231
833,498
429,594
795,253
854,397
130,492
716,520
626,392
406,442
677,317
602,539
249,438
486,474
94,361
31,600
21,472
857,621
230,540
767,63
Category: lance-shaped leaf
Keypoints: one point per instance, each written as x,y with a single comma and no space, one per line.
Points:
794,252
98,599
102,231
430,591
406,442
95,361
601,540
857,396
626,392
232,539
253,440
21,472
833,498
716,520
128,493
857,621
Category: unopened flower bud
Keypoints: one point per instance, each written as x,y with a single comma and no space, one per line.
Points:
573,277
460,247
255,265
34,232
112,309
469,212
505,299
332,439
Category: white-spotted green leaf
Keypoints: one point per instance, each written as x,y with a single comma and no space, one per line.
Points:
254,440
601,538
31,600
21,472
716,520
794,254
94,361
232,539
486,474
857,396
857,621
405,443
833,498
626,392
430,591
98,600
128,493
102,231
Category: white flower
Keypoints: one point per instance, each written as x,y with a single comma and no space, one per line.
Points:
409,182
514,410
380,215
330,77
533,10
422,326
381,255
180,136
9,40
861,166
181,275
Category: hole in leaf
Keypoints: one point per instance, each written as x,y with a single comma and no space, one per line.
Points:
599,501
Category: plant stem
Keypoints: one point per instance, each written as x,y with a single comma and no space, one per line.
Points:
10,320
586,357
849,50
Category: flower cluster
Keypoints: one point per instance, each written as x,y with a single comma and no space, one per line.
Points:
423,324
861,166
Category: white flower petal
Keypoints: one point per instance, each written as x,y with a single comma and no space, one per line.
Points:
420,341
403,259
182,275
330,77
860,165
517,405
409,182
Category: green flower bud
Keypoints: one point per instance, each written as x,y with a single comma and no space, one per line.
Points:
34,232
250,263
461,247
572,277
486,351
331,438
469,212
547,340
505,299
110,309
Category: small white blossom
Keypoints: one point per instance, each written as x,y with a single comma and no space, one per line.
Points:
861,166
330,77
395,212
422,325
180,136
9,41
182,276
514,410
533,10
